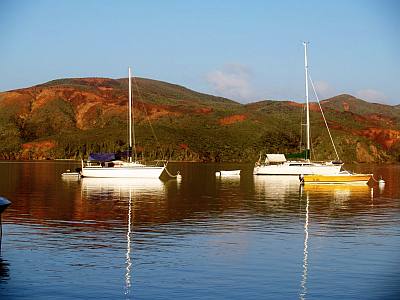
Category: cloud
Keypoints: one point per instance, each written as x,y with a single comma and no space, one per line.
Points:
324,89
371,95
232,81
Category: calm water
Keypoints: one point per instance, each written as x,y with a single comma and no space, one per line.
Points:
201,238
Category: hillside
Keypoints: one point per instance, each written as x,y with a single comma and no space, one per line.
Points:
69,118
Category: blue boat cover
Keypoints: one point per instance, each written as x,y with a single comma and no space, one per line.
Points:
102,156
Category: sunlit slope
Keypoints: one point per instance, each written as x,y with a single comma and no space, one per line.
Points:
69,118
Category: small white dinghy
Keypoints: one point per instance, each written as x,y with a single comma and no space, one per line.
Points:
70,174
228,173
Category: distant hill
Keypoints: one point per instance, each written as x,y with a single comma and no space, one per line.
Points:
69,118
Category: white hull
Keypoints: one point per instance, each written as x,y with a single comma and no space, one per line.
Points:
228,173
122,172
289,168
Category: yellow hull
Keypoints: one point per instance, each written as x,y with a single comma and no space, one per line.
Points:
335,179
356,188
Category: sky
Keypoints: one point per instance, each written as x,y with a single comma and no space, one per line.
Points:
243,50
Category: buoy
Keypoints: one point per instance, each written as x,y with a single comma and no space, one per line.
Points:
381,185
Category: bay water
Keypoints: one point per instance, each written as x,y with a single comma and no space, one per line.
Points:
204,237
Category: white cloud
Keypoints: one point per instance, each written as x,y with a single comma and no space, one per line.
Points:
371,95
232,81
324,89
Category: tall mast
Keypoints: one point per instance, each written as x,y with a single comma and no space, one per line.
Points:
307,105
130,117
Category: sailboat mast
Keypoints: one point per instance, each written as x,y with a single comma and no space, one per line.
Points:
307,104
130,116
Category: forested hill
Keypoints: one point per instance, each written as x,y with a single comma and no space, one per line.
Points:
70,118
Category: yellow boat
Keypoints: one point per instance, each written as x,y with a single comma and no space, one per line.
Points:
344,177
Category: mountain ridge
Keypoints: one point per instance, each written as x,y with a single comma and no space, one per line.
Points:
68,118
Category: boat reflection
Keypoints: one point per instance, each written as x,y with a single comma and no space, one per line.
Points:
129,189
122,187
337,189
4,270
226,182
340,194
276,187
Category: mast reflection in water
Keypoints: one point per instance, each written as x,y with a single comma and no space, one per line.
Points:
128,249
203,238
303,292
124,189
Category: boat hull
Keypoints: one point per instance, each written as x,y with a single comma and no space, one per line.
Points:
122,172
297,169
228,173
337,179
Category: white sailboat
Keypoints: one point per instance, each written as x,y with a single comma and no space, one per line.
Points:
118,168
276,164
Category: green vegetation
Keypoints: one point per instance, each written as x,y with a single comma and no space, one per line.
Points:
70,118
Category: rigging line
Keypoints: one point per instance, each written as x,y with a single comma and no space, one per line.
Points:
312,154
379,181
169,174
145,111
315,157
127,132
323,116
301,128
133,117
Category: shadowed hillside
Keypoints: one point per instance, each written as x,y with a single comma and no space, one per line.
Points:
69,118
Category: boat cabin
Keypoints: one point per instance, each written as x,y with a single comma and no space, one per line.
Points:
275,159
